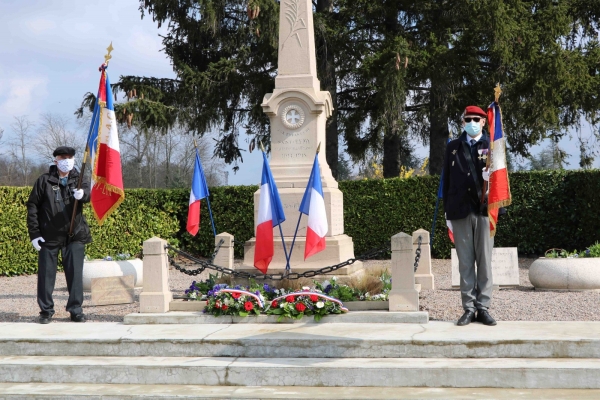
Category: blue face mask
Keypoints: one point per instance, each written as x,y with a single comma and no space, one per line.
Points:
473,128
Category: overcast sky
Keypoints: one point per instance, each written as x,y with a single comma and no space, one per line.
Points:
50,51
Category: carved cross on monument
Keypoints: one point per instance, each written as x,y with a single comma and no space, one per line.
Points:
298,111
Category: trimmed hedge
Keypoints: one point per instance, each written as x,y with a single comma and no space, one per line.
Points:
550,209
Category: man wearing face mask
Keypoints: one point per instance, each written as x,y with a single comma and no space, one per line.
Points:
463,176
49,212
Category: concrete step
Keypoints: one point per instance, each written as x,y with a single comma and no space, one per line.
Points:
50,391
545,373
431,340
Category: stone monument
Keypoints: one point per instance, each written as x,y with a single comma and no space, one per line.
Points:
298,111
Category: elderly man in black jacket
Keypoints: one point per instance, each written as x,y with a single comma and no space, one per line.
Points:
49,212
464,175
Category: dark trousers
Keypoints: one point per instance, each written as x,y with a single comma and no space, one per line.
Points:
72,259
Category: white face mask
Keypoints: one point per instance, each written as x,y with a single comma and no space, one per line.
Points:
65,165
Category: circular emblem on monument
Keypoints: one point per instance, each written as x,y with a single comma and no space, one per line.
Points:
292,117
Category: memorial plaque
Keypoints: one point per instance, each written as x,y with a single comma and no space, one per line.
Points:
112,290
505,267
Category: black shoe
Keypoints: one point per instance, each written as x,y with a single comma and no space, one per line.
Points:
44,319
78,317
485,318
467,318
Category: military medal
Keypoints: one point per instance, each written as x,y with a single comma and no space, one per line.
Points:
482,154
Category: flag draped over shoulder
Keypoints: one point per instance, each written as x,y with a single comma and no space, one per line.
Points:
107,178
199,191
270,214
499,188
313,205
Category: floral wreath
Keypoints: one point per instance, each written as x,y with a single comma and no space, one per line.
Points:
244,292
321,295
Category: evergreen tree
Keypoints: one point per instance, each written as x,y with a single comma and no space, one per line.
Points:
398,70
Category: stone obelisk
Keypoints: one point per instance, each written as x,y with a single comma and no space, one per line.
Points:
298,111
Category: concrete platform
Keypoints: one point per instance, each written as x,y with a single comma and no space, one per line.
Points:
355,317
432,340
14,391
548,373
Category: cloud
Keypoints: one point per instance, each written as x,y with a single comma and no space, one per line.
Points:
39,25
19,95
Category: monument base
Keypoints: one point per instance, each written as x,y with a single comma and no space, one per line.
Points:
337,250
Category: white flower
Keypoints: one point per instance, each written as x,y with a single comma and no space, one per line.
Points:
334,279
305,288
227,301
281,305
320,304
325,284
193,295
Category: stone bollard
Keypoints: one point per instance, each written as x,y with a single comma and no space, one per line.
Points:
423,276
403,296
155,296
224,257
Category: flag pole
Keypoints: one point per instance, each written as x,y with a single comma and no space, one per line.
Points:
300,216
212,221
86,153
497,93
287,264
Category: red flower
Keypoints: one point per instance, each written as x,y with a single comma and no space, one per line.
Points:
236,295
206,302
224,308
300,307
274,303
290,299
248,306
314,298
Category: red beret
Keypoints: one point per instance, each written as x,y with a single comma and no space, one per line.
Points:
474,110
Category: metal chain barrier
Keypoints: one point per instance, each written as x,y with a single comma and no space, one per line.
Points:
217,248
418,253
275,277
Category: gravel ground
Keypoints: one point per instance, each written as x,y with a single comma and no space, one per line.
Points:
18,299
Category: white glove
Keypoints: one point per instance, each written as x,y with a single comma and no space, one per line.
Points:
78,193
36,243
485,174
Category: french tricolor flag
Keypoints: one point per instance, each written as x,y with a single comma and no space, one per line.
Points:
270,214
313,205
103,144
499,188
199,191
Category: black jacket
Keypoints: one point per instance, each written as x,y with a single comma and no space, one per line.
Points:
460,191
50,208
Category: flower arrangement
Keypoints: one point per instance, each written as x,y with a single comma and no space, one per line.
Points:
592,251
298,304
238,302
256,299
348,293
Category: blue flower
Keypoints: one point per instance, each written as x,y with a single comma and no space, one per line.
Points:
328,289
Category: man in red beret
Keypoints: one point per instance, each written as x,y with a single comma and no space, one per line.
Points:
464,175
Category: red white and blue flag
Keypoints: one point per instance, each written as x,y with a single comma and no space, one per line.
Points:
107,177
199,191
313,205
270,214
499,188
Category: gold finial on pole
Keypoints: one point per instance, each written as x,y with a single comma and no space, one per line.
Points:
195,144
107,56
497,91
262,148
319,148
